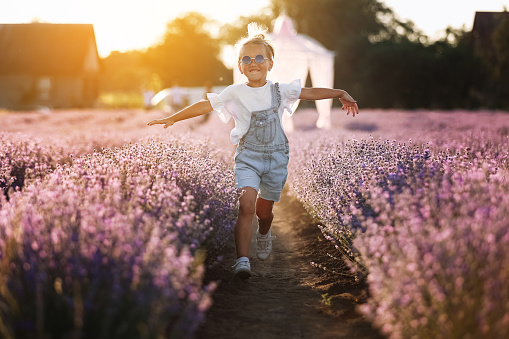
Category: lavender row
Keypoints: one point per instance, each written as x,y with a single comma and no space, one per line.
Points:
24,158
21,157
113,244
438,256
429,226
330,175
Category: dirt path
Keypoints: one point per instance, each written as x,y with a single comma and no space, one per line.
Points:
285,298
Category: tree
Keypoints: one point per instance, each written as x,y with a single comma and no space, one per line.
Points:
385,61
188,54
124,71
344,26
231,33
393,75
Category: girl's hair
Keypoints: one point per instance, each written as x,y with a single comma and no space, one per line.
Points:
256,34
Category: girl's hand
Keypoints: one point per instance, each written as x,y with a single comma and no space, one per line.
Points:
167,122
349,104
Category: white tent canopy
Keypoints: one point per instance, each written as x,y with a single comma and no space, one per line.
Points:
297,55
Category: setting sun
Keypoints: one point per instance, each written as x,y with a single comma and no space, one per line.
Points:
123,24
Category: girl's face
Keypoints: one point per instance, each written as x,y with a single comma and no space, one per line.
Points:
256,73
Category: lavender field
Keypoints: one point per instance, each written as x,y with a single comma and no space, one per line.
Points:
107,225
418,204
106,239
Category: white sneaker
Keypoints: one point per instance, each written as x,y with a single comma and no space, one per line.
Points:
242,269
263,245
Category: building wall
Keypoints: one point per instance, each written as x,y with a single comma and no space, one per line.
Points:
67,91
27,92
17,91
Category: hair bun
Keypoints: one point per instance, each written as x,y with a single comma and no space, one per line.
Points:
256,31
256,34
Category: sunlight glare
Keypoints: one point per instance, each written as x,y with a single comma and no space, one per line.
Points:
124,24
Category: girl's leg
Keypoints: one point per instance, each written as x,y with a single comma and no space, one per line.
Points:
243,228
264,214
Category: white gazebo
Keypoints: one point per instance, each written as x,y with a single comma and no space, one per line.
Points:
296,56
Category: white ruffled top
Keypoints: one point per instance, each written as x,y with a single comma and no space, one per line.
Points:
240,100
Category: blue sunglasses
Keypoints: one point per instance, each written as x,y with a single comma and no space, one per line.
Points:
246,59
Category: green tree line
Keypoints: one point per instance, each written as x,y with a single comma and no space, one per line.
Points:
386,62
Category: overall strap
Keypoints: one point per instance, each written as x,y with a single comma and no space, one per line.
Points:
275,101
276,97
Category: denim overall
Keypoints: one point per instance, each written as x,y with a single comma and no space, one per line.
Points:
262,155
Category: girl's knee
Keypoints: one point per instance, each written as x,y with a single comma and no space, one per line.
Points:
264,209
247,202
265,215
247,209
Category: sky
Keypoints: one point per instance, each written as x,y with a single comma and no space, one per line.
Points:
136,24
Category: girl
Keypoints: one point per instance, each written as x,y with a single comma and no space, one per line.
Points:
262,153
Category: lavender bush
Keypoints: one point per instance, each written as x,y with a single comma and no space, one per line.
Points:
330,176
438,258
24,158
429,225
112,245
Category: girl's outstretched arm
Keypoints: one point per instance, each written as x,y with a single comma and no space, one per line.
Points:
316,93
197,109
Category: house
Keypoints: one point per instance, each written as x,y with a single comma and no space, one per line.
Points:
51,65
484,25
